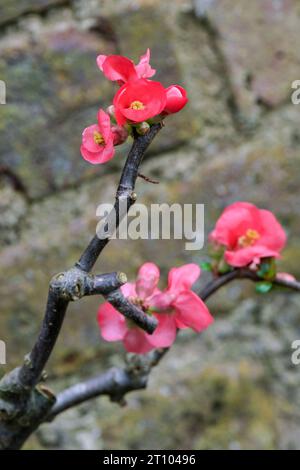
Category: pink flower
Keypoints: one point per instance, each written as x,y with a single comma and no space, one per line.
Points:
139,100
98,140
115,327
248,234
176,99
121,69
185,308
176,307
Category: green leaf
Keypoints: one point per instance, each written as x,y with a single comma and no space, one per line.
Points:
206,266
263,287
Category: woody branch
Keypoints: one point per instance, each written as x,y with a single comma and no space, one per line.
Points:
23,404
116,383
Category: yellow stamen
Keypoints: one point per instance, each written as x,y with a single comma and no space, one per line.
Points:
98,138
249,239
137,105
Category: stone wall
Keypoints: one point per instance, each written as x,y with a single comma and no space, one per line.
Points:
237,140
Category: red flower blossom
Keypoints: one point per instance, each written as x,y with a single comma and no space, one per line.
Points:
97,140
177,307
139,100
121,69
176,99
248,234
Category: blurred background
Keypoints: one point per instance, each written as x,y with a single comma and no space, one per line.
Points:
234,386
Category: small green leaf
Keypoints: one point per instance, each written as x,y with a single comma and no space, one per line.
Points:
263,287
206,266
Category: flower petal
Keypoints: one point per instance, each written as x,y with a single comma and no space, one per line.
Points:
147,280
245,256
192,311
128,290
88,140
112,324
273,236
104,125
183,278
165,332
136,341
117,67
143,68
176,99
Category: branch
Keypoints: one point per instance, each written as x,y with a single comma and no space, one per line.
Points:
243,273
75,283
68,286
127,381
18,391
115,383
125,196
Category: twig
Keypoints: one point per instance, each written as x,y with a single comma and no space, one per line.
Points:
115,383
243,273
146,178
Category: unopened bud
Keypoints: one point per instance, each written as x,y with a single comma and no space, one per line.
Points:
120,134
143,128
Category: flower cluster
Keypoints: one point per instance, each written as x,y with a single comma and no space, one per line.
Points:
137,104
244,236
176,307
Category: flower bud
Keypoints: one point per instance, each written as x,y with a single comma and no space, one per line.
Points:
176,99
120,134
143,128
